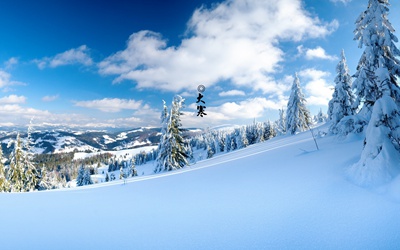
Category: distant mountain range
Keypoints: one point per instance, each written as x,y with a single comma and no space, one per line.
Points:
60,140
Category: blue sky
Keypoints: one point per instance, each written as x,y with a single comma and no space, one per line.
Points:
110,64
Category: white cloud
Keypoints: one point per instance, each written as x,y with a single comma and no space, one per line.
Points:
12,99
341,1
317,87
110,104
50,98
231,111
233,92
317,53
235,40
6,82
78,55
15,113
11,62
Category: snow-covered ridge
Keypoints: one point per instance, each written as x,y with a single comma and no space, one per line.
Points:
58,141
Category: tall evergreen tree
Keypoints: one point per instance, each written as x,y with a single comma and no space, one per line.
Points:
4,185
16,173
298,117
172,154
162,147
343,98
375,33
380,157
80,179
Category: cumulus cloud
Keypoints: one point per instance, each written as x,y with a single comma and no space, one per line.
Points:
232,111
110,104
78,55
233,92
12,99
235,40
316,85
17,114
50,98
6,82
317,53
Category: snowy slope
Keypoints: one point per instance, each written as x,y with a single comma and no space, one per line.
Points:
281,194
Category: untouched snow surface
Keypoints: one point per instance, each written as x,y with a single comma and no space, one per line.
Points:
281,194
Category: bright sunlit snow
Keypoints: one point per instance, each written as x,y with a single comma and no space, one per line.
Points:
280,194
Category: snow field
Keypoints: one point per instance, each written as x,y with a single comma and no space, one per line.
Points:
280,194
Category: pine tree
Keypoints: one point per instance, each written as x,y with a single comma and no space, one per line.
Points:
298,117
133,169
381,152
375,33
87,180
269,131
45,182
241,139
162,146
80,179
16,173
281,123
31,173
343,97
320,117
172,153
4,185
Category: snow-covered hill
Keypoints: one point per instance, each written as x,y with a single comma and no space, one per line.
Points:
280,194
62,141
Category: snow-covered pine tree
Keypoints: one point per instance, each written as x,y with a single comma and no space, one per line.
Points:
87,180
241,138
172,154
133,170
298,117
251,133
269,131
4,185
281,123
260,130
16,173
45,181
320,117
376,34
228,141
80,178
163,147
341,104
31,173
380,157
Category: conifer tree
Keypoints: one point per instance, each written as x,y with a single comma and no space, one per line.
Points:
80,178
16,173
87,180
172,154
298,117
376,34
381,152
281,123
162,146
4,185
341,104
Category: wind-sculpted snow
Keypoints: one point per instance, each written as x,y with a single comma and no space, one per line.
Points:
280,194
